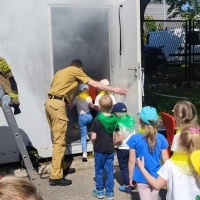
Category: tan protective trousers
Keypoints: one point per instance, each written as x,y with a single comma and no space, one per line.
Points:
57,119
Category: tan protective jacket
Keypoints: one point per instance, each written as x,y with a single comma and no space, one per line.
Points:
7,81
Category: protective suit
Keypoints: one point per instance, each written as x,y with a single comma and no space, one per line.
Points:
9,84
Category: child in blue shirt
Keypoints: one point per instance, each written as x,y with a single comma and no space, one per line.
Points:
152,146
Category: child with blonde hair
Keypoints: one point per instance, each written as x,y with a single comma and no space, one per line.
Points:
83,103
102,92
178,172
13,188
184,113
151,145
102,129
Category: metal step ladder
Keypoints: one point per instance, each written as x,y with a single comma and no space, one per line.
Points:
5,101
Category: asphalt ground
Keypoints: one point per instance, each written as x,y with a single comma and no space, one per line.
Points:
82,181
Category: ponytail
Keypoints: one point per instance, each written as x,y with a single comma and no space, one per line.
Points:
150,135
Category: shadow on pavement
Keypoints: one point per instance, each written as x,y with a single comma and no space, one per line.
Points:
117,175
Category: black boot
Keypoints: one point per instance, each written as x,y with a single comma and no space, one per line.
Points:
68,171
61,182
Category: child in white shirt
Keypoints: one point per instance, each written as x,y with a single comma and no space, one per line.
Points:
101,93
178,172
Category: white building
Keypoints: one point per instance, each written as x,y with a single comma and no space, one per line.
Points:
158,11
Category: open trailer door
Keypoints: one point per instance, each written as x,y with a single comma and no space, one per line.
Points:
125,47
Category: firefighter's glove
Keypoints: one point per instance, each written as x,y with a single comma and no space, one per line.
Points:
16,108
15,104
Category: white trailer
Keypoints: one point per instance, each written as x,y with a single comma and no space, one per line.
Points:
39,37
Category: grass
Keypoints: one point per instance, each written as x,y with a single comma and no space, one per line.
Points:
166,86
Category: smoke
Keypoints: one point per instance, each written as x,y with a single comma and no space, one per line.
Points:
81,33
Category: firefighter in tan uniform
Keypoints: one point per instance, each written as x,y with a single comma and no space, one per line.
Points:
61,93
9,84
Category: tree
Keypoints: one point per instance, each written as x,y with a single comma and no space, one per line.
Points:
187,9
150,26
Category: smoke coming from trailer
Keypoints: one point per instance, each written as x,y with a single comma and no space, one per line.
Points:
81,33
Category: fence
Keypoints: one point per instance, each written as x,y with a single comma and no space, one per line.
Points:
172,42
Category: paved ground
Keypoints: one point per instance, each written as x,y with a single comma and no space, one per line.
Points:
82,182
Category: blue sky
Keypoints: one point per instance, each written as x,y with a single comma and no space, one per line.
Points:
185,7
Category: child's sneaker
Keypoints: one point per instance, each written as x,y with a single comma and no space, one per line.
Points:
99,194
125,189
110,195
